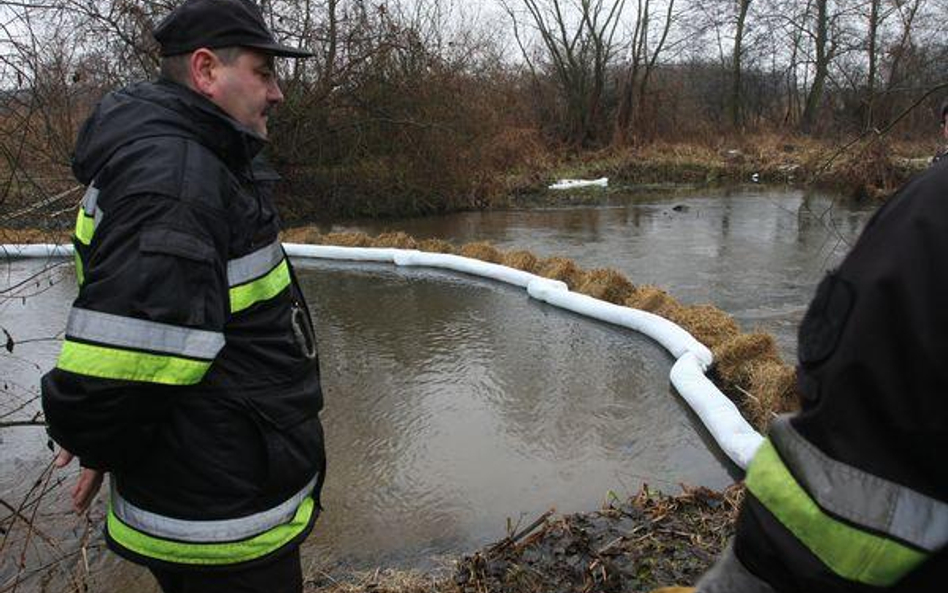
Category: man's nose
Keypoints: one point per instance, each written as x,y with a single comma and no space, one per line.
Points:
274,94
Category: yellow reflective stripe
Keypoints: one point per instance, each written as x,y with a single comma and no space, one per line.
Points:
848,551
80,274
260,289
209,554
113,363
85,227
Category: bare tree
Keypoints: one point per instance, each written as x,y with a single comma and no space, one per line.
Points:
736,65
643,59
579,44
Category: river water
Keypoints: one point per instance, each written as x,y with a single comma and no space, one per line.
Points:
456,405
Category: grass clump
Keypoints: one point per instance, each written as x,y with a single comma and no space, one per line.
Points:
483,251
397,240
708,324
436,246
303,234
607,285
347,239
521,260
654,300
562,269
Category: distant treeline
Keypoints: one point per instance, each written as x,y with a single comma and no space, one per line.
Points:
429,105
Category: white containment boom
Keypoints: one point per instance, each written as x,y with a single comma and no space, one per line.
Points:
733,434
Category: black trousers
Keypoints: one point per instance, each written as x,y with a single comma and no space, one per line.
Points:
281,575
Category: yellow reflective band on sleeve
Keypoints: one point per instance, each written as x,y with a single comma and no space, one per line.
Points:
210,554
85,227
80,274
848,551
114,363
261,289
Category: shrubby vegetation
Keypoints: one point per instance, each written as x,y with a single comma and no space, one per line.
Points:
419,106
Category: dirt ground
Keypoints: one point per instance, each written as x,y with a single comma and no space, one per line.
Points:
649,541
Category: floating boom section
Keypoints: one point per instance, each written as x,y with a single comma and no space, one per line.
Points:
733,434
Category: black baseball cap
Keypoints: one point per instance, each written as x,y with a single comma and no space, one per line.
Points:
219,23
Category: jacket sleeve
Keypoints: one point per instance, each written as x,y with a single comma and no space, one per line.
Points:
851,494
147,323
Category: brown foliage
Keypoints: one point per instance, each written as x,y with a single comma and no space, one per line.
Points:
436,246
347,239
708,324
521,260
483,251
304,234
654,300
560,268
397,240
732,356
607,285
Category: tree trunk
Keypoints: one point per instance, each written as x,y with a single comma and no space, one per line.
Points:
736,95
815,96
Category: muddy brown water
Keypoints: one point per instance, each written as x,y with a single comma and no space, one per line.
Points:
457,404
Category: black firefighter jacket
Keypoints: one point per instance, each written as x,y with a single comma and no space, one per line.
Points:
851,494
189,366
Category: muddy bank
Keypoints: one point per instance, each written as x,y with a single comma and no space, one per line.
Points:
649,541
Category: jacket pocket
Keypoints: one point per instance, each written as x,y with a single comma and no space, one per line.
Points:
176,276
293,434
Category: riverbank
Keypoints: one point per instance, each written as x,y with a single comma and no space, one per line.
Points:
861,170
650,540
864,170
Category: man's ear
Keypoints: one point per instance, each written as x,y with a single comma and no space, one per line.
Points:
204,66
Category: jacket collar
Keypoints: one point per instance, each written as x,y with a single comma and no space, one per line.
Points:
162,108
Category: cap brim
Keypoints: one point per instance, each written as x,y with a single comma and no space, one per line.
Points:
283,51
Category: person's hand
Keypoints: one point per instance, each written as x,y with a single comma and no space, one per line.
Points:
87,486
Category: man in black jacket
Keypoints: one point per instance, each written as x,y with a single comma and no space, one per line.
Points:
851,494
189,368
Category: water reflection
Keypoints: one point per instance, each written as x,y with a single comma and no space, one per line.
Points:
454,403
756,253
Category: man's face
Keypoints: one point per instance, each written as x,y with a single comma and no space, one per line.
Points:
247,89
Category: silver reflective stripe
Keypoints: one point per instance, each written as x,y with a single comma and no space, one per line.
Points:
728,575
128,332
90,199
860,497
254,265
97,218
223,530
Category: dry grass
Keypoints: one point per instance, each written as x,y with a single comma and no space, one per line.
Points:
654,300
732,357
708,324
397,240
436,246
483,251
33,236
750,369
521,260
607,285
382,581
772,391
303,234
347,239
560,268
